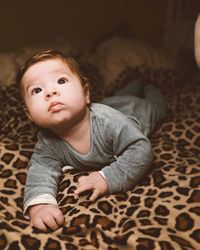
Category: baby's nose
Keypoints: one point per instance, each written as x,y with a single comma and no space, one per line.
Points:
49,94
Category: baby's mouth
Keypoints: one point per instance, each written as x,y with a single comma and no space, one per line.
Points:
55,106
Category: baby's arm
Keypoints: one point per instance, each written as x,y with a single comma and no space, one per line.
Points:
41,187
94,182
44,216
133,159
132,156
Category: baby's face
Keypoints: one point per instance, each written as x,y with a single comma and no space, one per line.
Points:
53,94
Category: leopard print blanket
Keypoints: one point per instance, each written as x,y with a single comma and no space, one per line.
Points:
161,212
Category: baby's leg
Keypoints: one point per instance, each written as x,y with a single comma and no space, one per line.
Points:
122,100
148,110
133,88
155,97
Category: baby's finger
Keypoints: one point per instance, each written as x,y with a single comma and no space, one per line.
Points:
94,195
60,220
50,222
38,222
82,179
84,187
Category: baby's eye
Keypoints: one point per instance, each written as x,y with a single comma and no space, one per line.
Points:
36,91
62,81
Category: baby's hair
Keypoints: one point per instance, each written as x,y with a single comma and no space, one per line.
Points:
47,55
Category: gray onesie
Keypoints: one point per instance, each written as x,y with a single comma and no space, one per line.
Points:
119,147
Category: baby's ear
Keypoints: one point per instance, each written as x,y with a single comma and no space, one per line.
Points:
87,93
27,113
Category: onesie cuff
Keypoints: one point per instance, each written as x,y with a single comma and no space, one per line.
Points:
102,174
43,198
112,179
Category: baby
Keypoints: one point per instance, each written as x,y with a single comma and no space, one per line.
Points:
111,143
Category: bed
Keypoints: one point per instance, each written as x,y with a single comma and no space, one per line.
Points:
163,210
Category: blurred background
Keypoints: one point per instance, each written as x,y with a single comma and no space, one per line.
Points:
159,22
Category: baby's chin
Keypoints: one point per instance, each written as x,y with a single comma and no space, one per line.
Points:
50,125
63,119
58,123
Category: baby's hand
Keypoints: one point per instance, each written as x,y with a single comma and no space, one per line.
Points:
43,215
94,182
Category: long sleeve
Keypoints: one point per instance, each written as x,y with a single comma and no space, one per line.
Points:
44,172
133,154
118,148
129,167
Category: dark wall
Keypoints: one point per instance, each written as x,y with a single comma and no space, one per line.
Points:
25,22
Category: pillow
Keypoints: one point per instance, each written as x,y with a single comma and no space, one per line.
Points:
11,61
68,47
115,54
26,52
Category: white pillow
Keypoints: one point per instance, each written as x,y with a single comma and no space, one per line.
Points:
117,53
26,52
11,62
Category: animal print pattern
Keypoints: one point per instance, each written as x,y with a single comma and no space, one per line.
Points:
161,212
